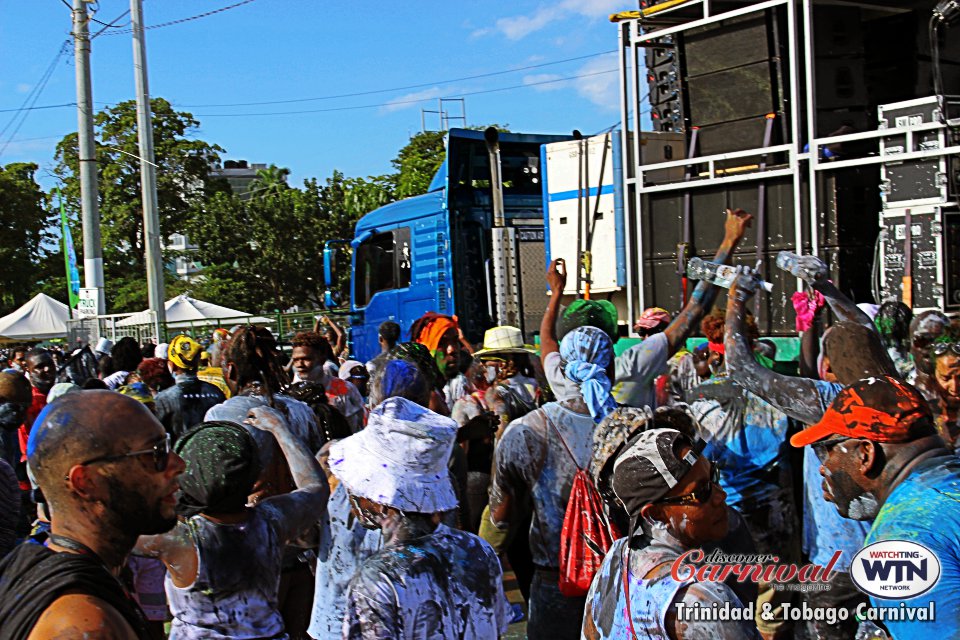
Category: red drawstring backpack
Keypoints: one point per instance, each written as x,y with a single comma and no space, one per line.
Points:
587,534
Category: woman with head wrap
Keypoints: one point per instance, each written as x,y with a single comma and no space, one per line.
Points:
535,463
440,334
224,557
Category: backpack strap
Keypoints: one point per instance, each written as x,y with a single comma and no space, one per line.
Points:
626,585
562,441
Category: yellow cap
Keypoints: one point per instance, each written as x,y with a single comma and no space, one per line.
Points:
184,352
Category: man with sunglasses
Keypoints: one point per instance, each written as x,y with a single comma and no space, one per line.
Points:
883,460
675,504
107,472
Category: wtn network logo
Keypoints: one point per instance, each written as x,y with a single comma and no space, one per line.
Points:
895,569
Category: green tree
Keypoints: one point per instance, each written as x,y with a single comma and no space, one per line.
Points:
183,182
269,182
417,162
26,240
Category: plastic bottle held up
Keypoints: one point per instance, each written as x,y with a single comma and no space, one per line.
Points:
721,275
787,260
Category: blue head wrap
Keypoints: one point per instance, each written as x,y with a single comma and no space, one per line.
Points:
587,352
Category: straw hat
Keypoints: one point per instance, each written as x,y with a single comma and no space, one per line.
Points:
503,340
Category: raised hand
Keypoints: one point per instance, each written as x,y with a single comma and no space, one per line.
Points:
556,278
811,270
736,225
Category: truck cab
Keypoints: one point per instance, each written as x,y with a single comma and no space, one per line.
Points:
456,249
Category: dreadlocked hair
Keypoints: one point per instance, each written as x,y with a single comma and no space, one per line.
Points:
253,353
893,323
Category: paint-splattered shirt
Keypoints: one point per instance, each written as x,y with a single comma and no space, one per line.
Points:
238,580
653,595
923,508
344,546
182,406
444,585
531,461
745,436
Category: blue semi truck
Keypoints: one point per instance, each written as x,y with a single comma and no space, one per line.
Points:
472,246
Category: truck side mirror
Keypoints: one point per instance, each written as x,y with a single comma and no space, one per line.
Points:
329,264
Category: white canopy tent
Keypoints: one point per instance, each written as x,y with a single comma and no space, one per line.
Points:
184,311
42,318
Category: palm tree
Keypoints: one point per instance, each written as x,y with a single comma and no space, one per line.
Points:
269,182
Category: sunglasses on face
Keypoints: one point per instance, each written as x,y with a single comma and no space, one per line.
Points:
941,348
824,447
160,452
700,495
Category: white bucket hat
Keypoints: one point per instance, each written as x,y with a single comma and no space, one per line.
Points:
399,459
103,346
503,339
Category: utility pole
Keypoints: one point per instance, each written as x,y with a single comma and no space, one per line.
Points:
89,194
148,176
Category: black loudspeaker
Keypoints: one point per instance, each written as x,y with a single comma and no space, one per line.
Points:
732,80
663,82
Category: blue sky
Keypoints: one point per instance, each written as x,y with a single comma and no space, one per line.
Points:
274,50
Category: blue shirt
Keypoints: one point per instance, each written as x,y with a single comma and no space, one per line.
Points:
746,437
824,529
925,508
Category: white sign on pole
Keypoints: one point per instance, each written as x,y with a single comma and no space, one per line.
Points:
87,306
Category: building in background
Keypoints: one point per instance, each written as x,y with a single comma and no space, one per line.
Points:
238,174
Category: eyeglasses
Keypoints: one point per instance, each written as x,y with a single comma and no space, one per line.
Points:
160,452
700,495
940,348
824,447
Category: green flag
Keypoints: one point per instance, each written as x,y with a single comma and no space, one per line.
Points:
69,256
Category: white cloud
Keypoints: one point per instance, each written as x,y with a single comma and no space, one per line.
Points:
540,80
602,89
24,87
411,99
519,27
593,8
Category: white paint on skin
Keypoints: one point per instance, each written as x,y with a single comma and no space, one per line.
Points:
864,507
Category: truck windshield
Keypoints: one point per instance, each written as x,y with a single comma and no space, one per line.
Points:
383,263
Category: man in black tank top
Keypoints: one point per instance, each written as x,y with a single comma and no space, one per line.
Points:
105,467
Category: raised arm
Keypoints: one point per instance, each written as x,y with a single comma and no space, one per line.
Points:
814,272
796,397
557,280
705,294
341,337
303,507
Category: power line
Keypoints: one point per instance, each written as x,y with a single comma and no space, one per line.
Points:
400,102
355,94
182,20
404,88
31,99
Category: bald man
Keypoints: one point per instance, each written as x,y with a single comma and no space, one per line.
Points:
105,467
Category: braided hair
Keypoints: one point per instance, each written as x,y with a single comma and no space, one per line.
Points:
253,353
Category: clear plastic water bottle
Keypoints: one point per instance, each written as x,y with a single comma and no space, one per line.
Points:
787,260
721,275
868,630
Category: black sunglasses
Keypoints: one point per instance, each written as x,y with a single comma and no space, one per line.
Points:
940,348
700,495
824,447
159,451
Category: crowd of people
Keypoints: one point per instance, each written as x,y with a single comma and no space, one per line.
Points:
230,489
